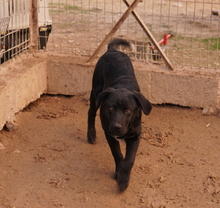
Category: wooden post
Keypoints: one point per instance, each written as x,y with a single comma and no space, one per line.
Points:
34,34
150,36
114,29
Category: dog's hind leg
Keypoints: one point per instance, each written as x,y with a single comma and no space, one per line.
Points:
91,132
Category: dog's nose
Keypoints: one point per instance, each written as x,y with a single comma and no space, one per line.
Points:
117,127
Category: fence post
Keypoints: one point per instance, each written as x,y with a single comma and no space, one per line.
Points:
34,34
115,28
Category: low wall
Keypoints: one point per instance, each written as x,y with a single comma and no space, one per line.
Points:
68,76
23,81
184,90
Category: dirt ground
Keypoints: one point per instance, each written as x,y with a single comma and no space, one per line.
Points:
48,163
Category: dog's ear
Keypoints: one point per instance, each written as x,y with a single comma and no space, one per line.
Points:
103,96
144,103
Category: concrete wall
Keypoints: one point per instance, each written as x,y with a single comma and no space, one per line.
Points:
68,76
23,81
180,89
159,86
20,84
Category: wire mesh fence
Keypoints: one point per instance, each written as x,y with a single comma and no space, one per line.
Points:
15,26
14,36
193,28
80,26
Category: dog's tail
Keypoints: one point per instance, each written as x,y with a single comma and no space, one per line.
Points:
114,44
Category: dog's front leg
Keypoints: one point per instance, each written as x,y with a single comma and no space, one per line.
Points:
127,164
91,132
116,152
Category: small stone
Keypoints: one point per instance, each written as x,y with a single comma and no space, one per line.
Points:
209,111
17,151
2,146
162,179
86,97
11,124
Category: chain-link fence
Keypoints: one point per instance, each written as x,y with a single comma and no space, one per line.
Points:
191,29
15,26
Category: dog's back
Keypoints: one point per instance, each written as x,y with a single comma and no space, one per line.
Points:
116,68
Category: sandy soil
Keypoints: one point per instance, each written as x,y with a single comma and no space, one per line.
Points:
48,163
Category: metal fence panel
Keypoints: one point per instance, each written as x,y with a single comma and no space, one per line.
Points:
79,26
15,26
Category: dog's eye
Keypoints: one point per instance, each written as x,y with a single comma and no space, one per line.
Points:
127,111
111,108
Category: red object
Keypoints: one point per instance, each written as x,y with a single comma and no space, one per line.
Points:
164,40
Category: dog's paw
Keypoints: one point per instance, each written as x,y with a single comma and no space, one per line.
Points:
123,181
91,136
115,176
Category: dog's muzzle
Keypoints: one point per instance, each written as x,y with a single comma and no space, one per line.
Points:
116,129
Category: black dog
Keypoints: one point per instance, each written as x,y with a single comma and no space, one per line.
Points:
115,88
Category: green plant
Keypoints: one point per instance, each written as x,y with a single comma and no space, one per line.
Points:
71,7
212,43
55,5
56,11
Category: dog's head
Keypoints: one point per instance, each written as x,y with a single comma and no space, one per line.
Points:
121,110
